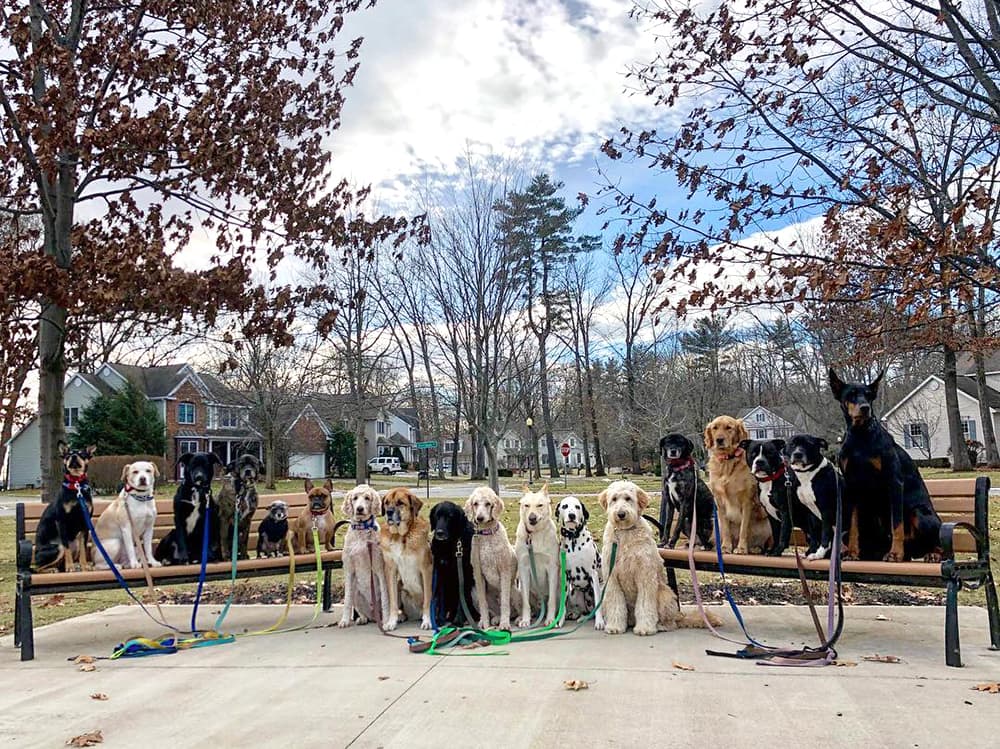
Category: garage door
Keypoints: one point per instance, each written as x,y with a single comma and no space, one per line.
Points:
306,465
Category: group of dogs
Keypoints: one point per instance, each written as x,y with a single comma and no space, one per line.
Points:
459,566
761,489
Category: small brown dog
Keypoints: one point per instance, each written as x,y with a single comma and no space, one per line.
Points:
319,512
743,522
406,553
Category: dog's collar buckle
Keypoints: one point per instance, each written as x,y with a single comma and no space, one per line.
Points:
458,548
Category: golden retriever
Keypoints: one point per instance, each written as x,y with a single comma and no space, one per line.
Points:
406,553
494,564
743,522
636,591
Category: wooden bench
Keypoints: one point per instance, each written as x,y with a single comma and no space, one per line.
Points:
963,505
31,584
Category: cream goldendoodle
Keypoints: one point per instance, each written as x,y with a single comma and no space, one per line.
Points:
494,563
637,592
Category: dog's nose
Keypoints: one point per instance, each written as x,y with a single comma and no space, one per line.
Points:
865,409
441,535
622,514
720,441
532,518
571,516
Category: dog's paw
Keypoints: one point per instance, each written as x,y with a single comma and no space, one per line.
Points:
524,622
484,623
934,557
644,631
615,629
741,549
155,563
892,556
390,624
727,548
504,624
345,623
425,623
362,620
599,623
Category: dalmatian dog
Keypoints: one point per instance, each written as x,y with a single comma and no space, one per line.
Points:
583,560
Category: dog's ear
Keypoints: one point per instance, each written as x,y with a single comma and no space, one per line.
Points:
125,470
63,449
376,503
875,385
415,504
231,467
708,436
741,431
498,508
156,471
328,485
545,489
688,444
432,515
744,444
346,506
602,499
836,384
185,459
779,443
309,485
91,450
823,444
642,497
586,512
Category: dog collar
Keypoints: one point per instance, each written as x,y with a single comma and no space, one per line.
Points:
774,476
133,493
317,512
367,525
487,531
679,464
571,534
738,454
75,482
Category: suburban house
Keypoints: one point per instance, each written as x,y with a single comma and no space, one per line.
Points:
919,421
318,416
200,413
560,437
765,423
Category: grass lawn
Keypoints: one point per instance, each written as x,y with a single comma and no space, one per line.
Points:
267,588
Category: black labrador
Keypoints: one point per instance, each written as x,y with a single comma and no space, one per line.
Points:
449,526
193,507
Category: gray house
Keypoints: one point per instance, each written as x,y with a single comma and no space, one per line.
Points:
765,423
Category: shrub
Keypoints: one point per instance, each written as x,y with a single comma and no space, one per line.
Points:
505,473
124,423
105,471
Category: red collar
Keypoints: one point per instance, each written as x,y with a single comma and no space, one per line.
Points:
738,454
317,512
74,482
679,464
774,476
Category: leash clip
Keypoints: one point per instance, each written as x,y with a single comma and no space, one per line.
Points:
458,549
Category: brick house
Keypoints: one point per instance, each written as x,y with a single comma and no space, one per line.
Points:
200,413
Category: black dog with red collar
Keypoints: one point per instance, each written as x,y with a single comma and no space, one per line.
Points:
682,488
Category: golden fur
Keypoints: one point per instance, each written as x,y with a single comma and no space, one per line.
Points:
406,554
319,497
494,563
743,522
636,593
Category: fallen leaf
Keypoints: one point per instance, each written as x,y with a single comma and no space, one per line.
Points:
881,618
87,667
882,658
576,685
86,739
99,696
683,666
55,600
382,678
992,687
848,664
84,659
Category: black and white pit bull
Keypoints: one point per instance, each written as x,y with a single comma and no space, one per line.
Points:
819,484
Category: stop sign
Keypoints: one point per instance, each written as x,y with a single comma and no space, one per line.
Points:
564,449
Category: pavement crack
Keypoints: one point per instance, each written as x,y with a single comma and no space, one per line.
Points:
388,707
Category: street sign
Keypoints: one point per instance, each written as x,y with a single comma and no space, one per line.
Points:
564,449
426,445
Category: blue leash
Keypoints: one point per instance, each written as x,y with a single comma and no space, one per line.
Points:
725,583
204,562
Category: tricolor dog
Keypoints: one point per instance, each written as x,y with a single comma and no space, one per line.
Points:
583,560
778,496
682,492
62,530
131,518
272,535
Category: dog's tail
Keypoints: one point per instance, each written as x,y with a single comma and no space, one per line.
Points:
691,619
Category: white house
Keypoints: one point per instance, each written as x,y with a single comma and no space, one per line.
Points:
919,422
764,424
576,455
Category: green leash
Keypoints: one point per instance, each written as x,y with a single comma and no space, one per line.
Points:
232,578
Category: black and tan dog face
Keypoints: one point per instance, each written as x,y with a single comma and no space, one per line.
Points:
75,461
246,467
804,452
676,447
400,506
856,400
278,511
319,496
483,506
725,433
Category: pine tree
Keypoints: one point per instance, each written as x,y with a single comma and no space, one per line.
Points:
124,423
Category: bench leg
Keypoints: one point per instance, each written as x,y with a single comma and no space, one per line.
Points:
327,591
993,609
17,617
25,633
672,580
952,646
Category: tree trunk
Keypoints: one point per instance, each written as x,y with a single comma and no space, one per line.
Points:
454,447
360,463
598,458
989,438
491,462
51,377
550,445
633,441
959,453
269,457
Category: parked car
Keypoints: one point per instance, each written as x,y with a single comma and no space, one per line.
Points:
386,465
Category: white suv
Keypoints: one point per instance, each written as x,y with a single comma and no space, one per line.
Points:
384,465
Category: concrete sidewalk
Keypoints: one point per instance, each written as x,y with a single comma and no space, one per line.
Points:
331,688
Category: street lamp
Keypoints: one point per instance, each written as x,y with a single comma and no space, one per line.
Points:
529,422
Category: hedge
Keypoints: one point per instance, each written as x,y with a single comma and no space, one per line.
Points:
105,471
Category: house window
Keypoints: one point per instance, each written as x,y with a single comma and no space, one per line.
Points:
449,446
380,427
915,434
969,429
760,434
185,413
572,441
760,417
71,416
187,446
227,418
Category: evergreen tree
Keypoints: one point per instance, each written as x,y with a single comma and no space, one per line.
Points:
340,452
124,423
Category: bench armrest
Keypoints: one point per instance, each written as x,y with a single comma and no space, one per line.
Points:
948,543
24,548
982,515
655,523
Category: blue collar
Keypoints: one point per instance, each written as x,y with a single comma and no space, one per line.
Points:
367,525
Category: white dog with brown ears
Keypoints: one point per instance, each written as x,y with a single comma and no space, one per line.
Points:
131,518
494,563
362,559
636,591
537,536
